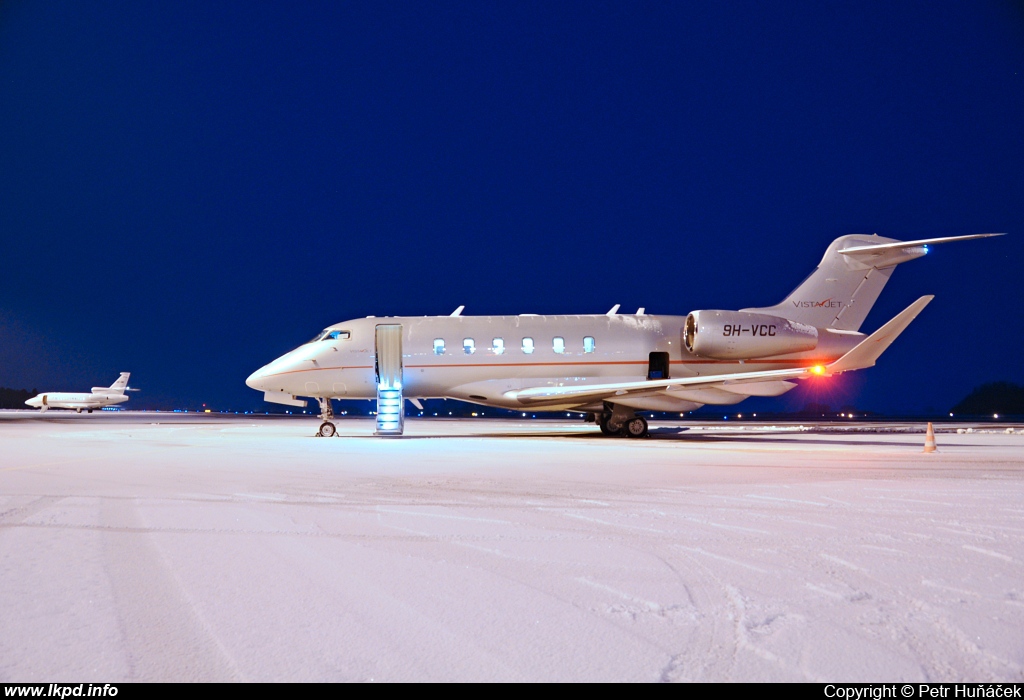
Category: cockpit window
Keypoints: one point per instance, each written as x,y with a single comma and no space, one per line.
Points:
329,334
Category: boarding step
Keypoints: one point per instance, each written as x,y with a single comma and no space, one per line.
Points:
388,365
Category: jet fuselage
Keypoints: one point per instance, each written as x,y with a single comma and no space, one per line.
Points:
482,358
613,365
78,401
99,397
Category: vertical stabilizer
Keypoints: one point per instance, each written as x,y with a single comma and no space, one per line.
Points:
120,385
845,285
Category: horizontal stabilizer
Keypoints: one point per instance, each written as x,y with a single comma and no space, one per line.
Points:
870,349
881,248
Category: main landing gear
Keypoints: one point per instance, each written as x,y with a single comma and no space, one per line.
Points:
622,421
636,428
327,428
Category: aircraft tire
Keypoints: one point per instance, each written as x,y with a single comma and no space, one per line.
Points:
326,429
605,430
636,428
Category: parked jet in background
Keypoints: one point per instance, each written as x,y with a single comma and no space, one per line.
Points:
101,396
612,365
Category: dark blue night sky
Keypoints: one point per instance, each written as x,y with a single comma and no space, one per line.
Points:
187,190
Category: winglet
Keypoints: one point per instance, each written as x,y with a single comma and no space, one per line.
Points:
614,310
870,349
458,311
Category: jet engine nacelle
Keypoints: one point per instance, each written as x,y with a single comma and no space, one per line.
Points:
738,335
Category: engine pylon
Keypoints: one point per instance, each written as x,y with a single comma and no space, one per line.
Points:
929,440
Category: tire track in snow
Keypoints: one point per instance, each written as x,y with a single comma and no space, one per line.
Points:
990,553
994,665
714,641
935,663
742,631
165,638
17,515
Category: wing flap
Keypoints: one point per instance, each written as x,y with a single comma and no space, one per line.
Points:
558,395
765,388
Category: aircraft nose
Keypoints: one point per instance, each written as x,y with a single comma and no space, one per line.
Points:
256,379
280,375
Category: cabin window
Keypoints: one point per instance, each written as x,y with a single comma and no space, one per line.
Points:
558,344
498,346
468,346
588,344
438,346
528,346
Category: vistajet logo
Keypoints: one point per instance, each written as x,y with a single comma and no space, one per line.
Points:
826,304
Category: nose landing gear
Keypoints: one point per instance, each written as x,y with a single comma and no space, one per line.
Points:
327,428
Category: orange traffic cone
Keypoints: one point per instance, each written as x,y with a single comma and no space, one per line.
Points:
929,440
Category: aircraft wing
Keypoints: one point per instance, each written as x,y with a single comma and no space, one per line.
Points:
863,355
871,348
586,393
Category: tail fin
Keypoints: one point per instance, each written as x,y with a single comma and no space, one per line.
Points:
845,285
117,387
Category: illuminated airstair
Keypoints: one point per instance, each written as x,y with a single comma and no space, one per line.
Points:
388,365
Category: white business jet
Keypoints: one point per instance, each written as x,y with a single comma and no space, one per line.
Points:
606,366
101,396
